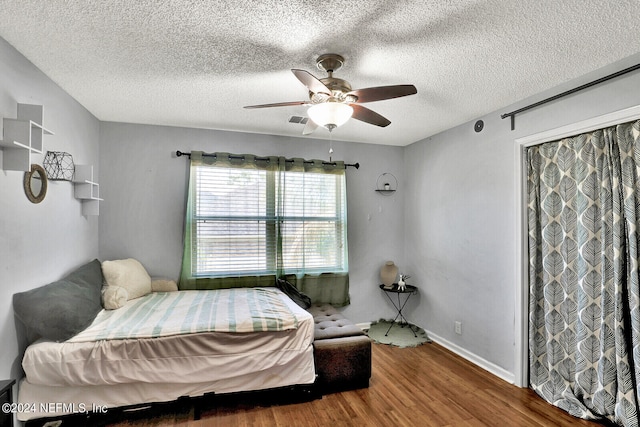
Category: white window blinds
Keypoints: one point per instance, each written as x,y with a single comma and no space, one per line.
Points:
265,222
231,219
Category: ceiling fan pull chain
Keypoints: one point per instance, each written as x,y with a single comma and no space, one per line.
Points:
330,144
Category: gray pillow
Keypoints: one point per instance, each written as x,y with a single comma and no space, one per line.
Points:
61,309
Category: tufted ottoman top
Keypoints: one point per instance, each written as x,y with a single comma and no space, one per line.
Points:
331,324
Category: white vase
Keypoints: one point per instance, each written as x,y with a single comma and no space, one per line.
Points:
388,274
401,285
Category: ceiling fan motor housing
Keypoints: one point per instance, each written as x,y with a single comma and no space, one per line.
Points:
330,62
339,89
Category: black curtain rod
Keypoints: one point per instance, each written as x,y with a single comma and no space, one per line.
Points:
346,165
569,92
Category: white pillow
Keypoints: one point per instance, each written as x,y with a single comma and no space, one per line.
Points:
128,274
163,285
114,297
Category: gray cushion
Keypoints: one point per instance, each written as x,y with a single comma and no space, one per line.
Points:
329,323
61,309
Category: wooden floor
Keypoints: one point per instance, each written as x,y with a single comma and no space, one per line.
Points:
422,386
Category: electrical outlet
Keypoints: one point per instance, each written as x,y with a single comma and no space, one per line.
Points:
457,326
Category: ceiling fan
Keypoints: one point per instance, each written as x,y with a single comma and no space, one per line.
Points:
333,101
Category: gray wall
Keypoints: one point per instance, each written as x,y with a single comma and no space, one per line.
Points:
145,189
460,224
450,225
40,243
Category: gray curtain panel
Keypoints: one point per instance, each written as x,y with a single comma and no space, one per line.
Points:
584,317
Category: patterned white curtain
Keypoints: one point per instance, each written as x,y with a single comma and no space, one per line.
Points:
584,302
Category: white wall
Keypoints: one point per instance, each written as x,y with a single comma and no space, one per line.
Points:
40,243
460,226
144,187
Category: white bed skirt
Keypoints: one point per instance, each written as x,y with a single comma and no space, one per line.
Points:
38,401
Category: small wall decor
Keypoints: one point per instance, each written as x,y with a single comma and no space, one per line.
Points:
35,184
386,184
59,166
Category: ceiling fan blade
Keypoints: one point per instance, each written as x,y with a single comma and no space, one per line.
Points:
278,104
307,79
380,93
309,127
368,116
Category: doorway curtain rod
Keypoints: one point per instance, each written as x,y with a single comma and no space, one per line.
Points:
346,165
569,92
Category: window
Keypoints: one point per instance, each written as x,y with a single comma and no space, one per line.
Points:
232,219
280,218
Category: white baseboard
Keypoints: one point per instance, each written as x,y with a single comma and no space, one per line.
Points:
364,326
475,359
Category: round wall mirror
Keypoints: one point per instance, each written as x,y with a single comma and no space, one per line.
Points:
35,184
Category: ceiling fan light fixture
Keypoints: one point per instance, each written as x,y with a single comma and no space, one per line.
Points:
330,114
333,101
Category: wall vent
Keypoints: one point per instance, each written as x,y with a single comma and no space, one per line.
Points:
298,119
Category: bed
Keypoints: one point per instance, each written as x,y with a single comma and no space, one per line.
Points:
167,345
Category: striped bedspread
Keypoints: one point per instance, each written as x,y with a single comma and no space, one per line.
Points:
171,313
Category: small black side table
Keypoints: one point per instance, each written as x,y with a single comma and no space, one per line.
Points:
6,398
408,291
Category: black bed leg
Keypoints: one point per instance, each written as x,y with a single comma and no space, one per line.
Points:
197,409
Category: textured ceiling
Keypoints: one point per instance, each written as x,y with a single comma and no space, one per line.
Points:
197,63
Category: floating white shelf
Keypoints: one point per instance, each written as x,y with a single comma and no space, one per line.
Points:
23,137
86,189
